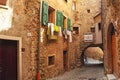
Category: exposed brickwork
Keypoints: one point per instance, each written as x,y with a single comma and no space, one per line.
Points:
110,14
25,19
25,24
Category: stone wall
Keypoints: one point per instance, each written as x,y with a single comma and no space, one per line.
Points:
57,47
85,19
110,15
25,20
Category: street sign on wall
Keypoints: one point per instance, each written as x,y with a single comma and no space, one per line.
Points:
88,37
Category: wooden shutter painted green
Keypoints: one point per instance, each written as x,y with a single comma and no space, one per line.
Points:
44,13
59,18
68,24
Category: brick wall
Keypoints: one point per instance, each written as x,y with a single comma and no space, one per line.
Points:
110,14
24,20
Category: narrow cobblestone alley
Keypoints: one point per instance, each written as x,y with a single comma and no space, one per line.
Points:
87,72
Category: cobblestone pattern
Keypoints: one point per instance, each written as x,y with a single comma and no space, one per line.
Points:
88,72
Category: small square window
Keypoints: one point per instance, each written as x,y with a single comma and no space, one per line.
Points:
51,60
88,10
66,0
92,29
3,2
75,30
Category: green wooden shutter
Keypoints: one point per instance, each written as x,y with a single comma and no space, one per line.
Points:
44,13
59,18
62,20
68,24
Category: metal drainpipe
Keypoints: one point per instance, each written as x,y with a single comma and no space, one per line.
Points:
102,26
39,40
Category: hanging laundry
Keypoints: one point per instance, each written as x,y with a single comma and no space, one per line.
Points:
70,35
51,31
56,28
60,31
65,33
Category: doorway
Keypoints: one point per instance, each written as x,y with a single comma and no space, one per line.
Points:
112,51
8,59
65,61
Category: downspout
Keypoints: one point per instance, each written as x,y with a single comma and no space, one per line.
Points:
39,40
102,26
102,21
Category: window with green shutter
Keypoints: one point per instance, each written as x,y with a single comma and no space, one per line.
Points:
68,24
59,18
44,13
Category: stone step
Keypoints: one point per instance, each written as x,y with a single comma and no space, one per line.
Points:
111,77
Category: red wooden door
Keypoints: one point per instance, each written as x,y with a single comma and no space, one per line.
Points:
8,60
65,60
114,56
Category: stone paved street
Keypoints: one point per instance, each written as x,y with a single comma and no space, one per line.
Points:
87,72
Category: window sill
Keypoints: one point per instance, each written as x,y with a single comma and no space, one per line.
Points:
3,7
50,66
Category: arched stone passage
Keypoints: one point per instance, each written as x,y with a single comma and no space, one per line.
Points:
96,46
112,56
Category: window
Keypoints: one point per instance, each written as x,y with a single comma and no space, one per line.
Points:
59,18
3,2
92,29
44,13
75,30
66,0
65,22
74,5
51,15
51,60
48,14
99,26
88,10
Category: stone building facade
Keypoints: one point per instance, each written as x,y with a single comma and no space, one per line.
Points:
84,18
62,51
21,24
110,23
24,27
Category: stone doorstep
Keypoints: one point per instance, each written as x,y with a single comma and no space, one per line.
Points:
111,77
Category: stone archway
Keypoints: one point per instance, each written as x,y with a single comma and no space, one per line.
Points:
83,56
112,59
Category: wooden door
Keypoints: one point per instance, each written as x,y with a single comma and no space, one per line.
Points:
65,60
8,52
114,56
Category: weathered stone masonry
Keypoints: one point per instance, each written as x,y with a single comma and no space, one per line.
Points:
110,15
25,20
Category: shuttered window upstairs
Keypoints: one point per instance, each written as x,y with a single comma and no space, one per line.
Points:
44,13
59,19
